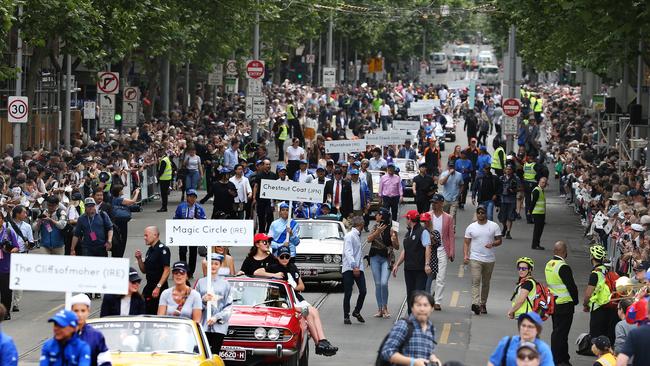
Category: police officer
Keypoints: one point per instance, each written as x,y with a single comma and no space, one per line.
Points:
155,267
165,174
530,181
597,295
65,347
559,278
499,160
538,212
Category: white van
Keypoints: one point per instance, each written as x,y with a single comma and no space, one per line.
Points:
488,74
439,62
485,59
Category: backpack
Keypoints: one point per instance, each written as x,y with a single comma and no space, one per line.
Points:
544,302
409,333
610,280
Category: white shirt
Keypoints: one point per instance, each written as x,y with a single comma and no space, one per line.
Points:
437,225
384,110
352,253
125,305
243,188
295,153
334,185
302,176
27,232
356,195
480,236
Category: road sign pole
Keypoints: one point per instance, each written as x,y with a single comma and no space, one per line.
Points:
68,82
330,32
165,85
512,78
19,80
256,56
208,275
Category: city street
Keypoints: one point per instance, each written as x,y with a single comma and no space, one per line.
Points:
461,335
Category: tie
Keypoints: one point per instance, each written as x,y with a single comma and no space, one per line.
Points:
336,194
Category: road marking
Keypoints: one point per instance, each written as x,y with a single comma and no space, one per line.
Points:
444,336
461,271
51,311
454,299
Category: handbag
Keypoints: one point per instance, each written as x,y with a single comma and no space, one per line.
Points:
121,212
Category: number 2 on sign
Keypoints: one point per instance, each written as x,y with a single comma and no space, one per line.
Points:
17,283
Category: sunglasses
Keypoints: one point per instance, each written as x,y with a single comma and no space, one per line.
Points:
285,256
178,272
523,268
265,242
136,281
527,356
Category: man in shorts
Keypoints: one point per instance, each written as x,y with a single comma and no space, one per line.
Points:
508,195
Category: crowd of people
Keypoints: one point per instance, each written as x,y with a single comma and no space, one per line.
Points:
80,202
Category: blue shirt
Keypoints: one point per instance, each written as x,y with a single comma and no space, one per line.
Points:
185,211
452,186
465,167
74,353
99,354
99,224
420,345
278,231
482,161
8,351
511,357
230,158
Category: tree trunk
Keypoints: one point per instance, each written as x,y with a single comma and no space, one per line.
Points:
152,68
173,87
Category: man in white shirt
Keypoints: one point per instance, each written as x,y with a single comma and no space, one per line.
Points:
443,94
384,115
377,162
244,191
481,237
25,238
352,268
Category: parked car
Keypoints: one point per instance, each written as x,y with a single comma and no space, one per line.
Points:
439,62
155,340
489,74
319,255
408,169
265,326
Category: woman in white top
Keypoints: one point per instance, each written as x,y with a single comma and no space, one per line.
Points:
292,158
194,168
181,300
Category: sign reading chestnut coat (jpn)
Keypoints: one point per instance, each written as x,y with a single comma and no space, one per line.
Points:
345,146
209,232
292,191
388,138
406,125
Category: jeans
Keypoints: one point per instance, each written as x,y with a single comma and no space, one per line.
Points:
489,205
381,274
192,180
481,276
348,281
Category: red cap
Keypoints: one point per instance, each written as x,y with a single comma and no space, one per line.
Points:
260,237
412,215
425,216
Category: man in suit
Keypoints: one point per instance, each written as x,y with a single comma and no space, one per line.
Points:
444,224
356,198
334,189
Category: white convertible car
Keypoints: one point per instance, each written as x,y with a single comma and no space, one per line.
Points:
319,254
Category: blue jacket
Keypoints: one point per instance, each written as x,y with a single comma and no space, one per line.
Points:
8,351
482,161
464,166
182,211
278,231
405,153
99,355
74,353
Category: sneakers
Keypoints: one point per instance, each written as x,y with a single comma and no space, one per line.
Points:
347,321
437,307
476,309
508,235
538,247
359,317
325,348
483,309
161,210
15,309
7,316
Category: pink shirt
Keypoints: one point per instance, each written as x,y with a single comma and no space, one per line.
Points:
390,186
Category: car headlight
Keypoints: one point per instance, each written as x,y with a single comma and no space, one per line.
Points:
273,334
327,258
336,258
260,333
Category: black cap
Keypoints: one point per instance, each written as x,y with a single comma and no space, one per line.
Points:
134,275
180,266
642,266
53,199
601,342
450,163
438,198
481,208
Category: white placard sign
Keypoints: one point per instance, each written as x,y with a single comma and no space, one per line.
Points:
90,111
509,125
329,77
292,191
388,138
406,125
395,226
216,76
40,272
236,233
345,146
419,110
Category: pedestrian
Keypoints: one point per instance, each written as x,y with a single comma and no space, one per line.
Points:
99,354
597,296
294,154
219,297
231,155
227,267
499,158
452,183
559,278
602,348
413,255
9,354
529,327
50,225
181,300
431,251
417,349
353,272
194,169
121,217
356,198
155,268
486,190
189,210
244,192
383,243
95,231
65,347
263,205
466,168
285,232
225,193
334,190
471,125
259,256
623,328
538,212
530,180
165,178
481,239
446,252
636,347
524,295
424,187
527,355
8,245
390,190
509,186
123,305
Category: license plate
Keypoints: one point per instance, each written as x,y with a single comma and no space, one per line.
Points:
232,355
308,272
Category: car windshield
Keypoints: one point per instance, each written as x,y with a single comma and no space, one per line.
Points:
259,294
459,57
490,70
463,49
438,57
320,230
148,336
405,165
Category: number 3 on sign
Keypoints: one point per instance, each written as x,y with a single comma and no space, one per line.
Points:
171,240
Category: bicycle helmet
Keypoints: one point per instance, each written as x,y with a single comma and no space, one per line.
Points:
527,260
598,252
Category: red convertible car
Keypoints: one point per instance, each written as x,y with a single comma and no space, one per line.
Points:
265,326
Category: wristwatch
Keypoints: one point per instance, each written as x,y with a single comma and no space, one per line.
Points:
158,285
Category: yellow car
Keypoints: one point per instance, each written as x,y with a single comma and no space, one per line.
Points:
155,340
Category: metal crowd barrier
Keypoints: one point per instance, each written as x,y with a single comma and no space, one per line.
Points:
150,188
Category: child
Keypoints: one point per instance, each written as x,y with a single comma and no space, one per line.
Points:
602,348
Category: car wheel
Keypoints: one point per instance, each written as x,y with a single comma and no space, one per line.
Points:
292,361
304,360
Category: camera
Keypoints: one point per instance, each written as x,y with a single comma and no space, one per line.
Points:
7,246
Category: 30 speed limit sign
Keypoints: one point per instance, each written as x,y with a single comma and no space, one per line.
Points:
18,109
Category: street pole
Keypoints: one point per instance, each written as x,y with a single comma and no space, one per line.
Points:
187,87
256,56
320,63
165,85
68,82
512,77
311,65
424,45
330,42
639,90
19,80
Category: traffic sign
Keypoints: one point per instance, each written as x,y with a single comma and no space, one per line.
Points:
231,68
510,125
204,232
38,272
129,114
292,191
131,94
254,87
255,69
310,58
216,76
108,82
345,146
17,109
511,107
329,77
90,110
107,111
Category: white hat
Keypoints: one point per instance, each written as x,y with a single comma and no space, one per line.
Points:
80,299
645,219
637,227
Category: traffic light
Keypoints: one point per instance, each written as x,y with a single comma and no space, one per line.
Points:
118,117
299,76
